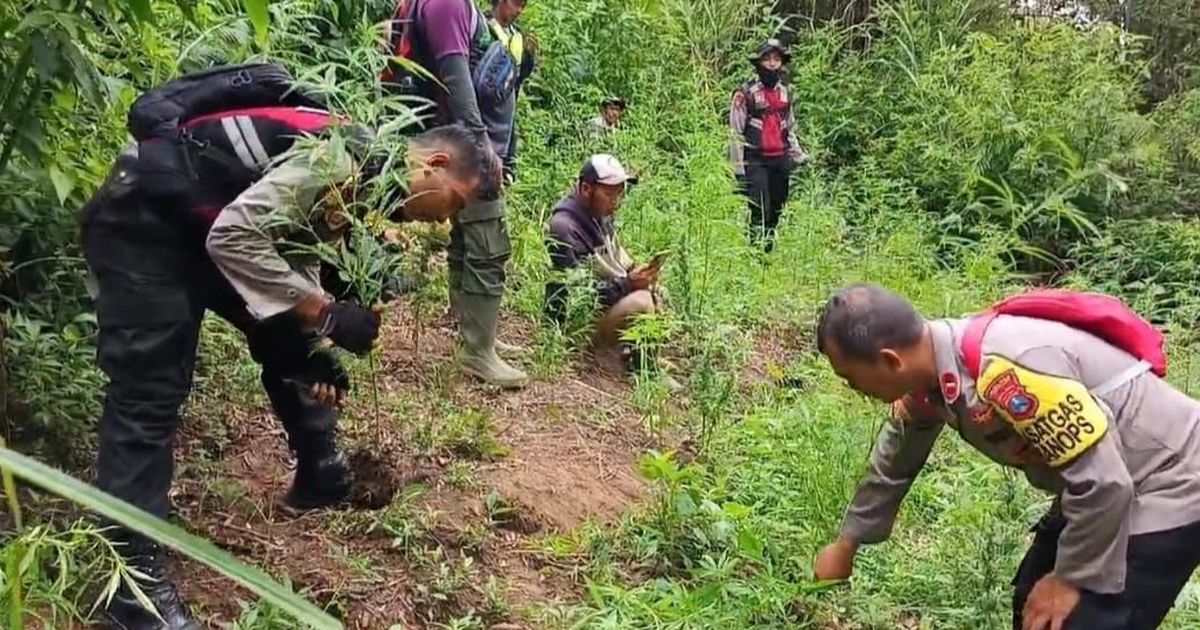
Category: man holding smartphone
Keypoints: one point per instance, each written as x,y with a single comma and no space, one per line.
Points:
582,233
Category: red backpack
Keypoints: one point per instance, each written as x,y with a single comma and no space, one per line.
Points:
1101,315
399,36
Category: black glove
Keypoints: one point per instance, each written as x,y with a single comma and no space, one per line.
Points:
349,326
323,368
320,367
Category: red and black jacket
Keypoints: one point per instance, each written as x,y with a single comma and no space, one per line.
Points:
768,116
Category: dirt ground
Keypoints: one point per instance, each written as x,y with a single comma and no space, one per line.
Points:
567,453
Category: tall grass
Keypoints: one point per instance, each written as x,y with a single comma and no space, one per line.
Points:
955,155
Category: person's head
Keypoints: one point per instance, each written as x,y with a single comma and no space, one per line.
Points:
602,184
769,60
611,109
877,342
447,169
507,11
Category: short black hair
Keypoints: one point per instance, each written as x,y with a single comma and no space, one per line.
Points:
863,319
472,154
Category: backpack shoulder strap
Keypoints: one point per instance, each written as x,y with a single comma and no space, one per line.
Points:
404,25
478,25
972,342
753,107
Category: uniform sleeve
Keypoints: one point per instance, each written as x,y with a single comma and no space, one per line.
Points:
899,455
737,128
242,240
1040,395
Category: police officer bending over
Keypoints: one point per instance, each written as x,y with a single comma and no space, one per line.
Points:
202,219
1084,419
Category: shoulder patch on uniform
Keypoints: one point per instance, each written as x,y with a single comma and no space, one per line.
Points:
1056,415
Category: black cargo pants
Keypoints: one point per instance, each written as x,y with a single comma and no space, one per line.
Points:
155,283
766,185
1158,566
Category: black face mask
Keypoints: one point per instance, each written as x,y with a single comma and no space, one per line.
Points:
769,77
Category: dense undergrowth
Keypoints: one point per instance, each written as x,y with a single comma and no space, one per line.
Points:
956,156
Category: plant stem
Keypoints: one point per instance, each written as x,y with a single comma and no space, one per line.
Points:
10,491
374,385
13,570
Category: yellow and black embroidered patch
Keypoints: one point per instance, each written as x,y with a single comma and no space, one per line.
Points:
1056,415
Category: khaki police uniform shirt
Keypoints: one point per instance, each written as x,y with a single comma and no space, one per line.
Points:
1120,463
280,207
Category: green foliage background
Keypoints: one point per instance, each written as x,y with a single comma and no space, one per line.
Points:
956,154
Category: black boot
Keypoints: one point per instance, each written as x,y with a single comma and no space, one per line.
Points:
124,612
323,477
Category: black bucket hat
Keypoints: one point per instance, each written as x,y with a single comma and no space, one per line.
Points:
613,100
766,47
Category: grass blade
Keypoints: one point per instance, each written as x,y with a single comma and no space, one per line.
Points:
195,547
260,17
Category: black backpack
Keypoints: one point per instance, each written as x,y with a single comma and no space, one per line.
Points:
159,112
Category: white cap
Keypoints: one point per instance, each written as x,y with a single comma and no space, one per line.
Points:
603,168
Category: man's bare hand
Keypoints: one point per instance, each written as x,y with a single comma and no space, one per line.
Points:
836,560
327,394
1050,603
643,277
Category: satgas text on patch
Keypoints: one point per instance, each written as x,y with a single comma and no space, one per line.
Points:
1008,392
1056,415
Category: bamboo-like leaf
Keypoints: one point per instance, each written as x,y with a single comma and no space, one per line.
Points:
142,10
63,183
260,17
195,547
